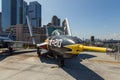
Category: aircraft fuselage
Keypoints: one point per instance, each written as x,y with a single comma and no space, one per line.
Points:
57,45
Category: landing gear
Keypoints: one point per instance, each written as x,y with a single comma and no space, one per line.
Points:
10,50
38,52
61,61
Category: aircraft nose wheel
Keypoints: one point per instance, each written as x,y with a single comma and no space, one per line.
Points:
61,61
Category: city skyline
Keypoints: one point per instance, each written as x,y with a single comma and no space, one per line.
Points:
99,18
15,11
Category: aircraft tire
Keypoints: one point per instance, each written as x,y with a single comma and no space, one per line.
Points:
10,51
61,61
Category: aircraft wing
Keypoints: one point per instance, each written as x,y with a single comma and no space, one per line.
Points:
43,45
12,41
66,27
30,29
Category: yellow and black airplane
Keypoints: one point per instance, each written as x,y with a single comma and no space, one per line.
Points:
63,46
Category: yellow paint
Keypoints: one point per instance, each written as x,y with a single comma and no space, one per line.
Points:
77,48
98,49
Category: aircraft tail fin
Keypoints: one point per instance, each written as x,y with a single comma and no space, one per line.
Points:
66,27
30,30
10,33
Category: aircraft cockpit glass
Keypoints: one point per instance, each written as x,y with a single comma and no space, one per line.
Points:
57,33
77,40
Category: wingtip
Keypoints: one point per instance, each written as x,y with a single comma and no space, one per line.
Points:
110,50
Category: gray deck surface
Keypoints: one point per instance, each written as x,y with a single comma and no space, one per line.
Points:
25,65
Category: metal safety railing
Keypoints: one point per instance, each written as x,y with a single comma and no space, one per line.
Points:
116,53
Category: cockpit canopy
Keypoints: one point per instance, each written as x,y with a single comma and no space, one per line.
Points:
57,33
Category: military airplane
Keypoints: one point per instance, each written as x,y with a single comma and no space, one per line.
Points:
61,45
7,42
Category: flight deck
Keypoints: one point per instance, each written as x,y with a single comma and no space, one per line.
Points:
26,65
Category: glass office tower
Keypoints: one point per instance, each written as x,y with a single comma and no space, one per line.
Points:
7,15
0,22
25,12
19,9
34,12
12,13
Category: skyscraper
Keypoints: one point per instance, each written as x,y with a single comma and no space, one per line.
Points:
25,12
8,15
19,9
0,22
55,21
34,12
13,12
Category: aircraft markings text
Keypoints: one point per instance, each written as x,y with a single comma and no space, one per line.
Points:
55,43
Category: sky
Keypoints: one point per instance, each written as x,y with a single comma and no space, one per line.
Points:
99,18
